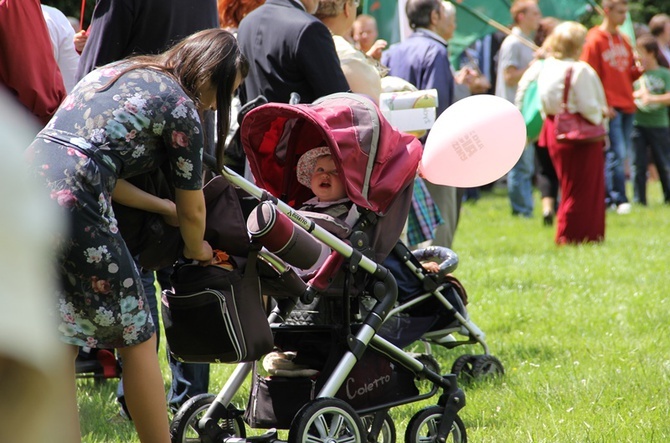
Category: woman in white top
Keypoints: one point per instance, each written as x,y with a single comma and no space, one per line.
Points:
579,167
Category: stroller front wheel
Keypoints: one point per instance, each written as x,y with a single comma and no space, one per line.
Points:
326,420
184,427
423,427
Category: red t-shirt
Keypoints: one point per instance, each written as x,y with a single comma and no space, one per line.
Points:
27,65
611,55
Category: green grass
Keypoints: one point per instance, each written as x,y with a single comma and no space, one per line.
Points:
582,332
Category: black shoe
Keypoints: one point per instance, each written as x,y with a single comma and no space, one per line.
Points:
548,218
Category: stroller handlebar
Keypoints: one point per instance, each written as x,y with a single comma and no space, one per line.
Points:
448,258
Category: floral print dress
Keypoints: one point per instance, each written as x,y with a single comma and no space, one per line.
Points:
111,127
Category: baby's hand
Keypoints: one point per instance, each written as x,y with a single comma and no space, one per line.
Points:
431,267
376,49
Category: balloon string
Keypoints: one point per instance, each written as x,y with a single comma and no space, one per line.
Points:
81,16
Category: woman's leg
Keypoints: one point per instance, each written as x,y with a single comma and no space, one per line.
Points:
145,392
71,411
547,183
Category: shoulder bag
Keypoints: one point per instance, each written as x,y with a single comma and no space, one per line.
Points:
531,109
574,128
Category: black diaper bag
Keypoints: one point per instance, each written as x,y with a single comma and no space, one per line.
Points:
215,315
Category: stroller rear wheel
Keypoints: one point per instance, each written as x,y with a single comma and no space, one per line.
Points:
326,420
470,367
387,433
462,368
184,426
486,366
423,427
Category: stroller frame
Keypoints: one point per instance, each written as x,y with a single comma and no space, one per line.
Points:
443,337
385,294
467,367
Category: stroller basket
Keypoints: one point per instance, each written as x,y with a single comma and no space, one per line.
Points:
374,382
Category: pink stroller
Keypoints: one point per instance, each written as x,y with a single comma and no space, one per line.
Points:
360,375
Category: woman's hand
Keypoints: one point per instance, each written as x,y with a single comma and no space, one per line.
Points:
203,256
80,39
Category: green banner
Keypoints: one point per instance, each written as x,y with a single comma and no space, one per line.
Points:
628,30
565,9
388,20
472,23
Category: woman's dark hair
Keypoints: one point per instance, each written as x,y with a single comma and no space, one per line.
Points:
209,55
419,12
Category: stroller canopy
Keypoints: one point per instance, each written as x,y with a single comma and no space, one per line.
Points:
376,161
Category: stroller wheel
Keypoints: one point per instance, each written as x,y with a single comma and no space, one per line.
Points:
184,427
423,427
326,420
463,367
387,432
476,367
423,384
487,366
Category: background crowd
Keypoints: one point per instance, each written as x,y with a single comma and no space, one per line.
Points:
312,48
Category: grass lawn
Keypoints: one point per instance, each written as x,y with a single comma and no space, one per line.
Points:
582,332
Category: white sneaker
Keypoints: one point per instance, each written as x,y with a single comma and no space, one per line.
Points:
624,208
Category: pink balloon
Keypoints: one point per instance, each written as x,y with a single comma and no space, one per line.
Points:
475,141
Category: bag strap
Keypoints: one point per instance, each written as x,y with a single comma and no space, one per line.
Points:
566,86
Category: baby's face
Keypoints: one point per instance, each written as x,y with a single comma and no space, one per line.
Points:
326,183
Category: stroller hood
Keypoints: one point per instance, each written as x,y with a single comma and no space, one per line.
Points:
376,161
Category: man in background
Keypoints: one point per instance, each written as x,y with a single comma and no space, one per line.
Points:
365,35
611,55
289,50
422,59
515,55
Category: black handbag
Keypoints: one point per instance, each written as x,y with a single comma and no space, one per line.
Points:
214,315
156,244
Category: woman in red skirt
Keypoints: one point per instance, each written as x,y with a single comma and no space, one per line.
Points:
579,166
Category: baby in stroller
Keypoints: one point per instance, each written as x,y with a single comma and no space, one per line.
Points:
316,170
334,211
380,164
